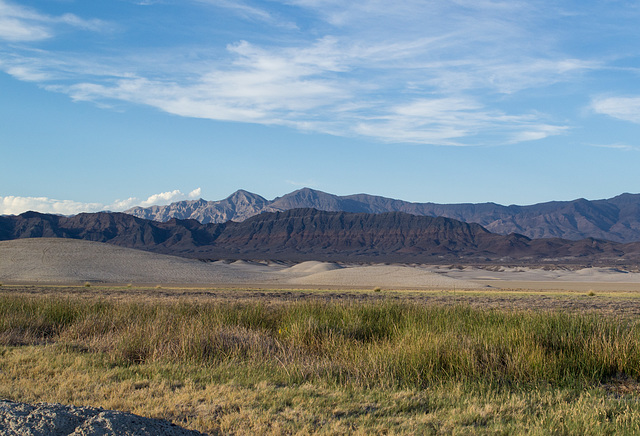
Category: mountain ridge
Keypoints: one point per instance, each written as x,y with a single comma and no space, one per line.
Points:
309,234
616,219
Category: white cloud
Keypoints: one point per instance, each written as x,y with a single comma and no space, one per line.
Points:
304,88
169,197
13,29
13,205
27,74
453,121
120,205
622,108
19,23
262,86
196,193
421,72
534,131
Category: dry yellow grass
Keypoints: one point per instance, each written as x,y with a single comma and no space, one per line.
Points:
189,397
245,362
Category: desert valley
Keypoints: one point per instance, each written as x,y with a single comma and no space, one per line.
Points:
357,268
322,245
312,217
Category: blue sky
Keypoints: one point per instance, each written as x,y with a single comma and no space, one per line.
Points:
110,104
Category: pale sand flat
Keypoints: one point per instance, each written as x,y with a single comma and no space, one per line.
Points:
66,261
527,274
585,279
383,276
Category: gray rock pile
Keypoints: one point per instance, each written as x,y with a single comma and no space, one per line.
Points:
20,419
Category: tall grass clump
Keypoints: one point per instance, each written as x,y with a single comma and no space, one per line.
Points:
31,320
384,344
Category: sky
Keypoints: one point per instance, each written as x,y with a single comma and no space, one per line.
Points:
105,105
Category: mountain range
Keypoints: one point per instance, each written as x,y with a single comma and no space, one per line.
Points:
615,219
310,234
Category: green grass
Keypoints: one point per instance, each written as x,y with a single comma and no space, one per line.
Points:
375,344
507,367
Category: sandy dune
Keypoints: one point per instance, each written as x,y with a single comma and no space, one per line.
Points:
371,276
313,267
45,260
66,261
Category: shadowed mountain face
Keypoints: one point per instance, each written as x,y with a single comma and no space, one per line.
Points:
306,234
616,219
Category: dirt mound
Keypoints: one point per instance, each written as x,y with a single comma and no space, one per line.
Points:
60,420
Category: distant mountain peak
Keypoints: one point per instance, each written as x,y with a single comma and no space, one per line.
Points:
246,196
616,219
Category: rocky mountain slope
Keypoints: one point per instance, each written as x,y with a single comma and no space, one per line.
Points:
615,219
237,207
309,234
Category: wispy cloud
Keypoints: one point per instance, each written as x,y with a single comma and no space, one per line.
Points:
621,147
622,108
443,73
504,77
13,205
247,11
270,87
454,121
310,89
19,23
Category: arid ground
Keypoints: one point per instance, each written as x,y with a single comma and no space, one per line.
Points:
259,347
43,261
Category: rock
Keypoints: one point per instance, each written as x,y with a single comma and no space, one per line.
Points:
43,419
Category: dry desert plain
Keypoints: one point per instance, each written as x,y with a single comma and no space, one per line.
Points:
50,261
263,347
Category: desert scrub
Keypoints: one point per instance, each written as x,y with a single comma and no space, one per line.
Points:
384,344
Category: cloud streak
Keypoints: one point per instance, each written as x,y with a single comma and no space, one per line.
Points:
14,205
622,108
427,72
247,11
23,24
306,89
